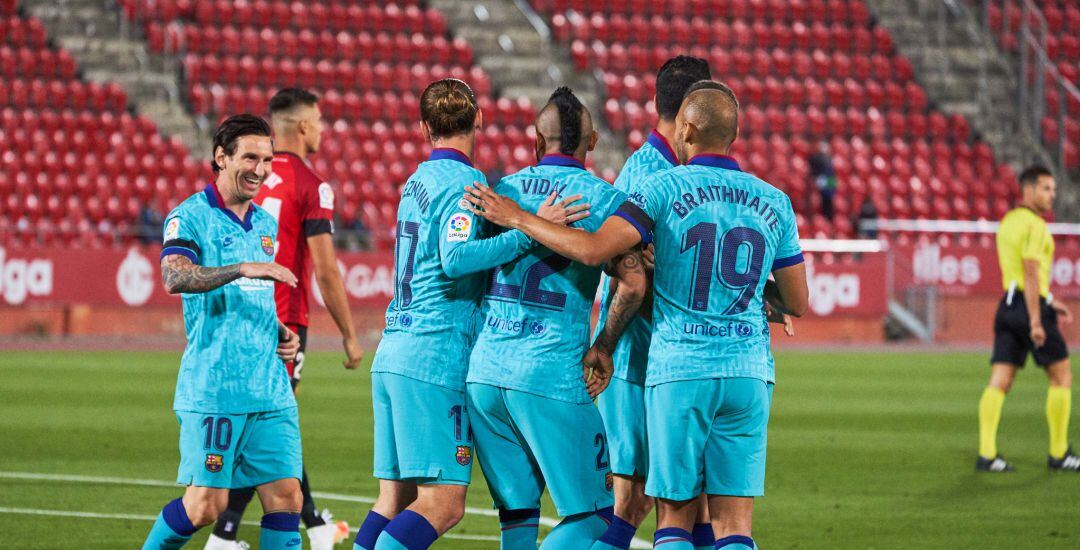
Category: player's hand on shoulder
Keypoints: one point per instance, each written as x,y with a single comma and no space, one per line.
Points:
268,270
598,368
288,344
565,212
353,353
491,206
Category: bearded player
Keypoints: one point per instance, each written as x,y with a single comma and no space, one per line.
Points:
303,204
238,418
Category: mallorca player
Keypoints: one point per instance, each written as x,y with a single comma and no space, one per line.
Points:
303,205
709,379
238,421
1027,322
525,382
423,447
622,405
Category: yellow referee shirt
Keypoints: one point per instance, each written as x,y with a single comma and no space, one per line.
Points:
1023,235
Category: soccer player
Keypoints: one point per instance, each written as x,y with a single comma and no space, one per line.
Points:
532,416
238,420
1027,322
423,447
622,405
718,233
303,205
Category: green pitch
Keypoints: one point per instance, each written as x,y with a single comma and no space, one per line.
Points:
866,450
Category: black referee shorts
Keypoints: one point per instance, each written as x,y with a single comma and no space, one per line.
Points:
1012,334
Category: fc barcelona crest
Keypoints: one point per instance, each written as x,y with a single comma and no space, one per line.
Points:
268,245
213,463
464,455
609,481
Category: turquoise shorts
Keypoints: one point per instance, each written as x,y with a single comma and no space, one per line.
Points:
526,441
422,431
622,406
233,451
707,435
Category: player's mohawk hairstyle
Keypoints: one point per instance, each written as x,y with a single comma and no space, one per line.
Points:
570,111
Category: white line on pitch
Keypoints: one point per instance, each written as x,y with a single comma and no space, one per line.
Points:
636,543
140,517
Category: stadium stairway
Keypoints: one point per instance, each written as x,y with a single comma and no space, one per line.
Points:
110,49
964,73
523,61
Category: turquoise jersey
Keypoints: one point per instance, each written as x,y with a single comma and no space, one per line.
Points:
230,364
718,233
632,352
536,308
439,260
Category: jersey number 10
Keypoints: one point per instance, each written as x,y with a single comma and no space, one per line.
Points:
701,238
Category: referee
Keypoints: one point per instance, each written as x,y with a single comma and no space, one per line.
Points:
1027,321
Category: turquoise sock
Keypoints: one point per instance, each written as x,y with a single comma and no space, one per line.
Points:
617,537
579,531
407,531
519,528
736,542
171,530
673,538
280,531
703,536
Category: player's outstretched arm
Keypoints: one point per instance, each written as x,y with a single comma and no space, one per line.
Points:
181,276
790,294
483,254
332,289
614,236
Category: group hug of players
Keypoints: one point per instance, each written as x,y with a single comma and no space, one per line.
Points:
487,351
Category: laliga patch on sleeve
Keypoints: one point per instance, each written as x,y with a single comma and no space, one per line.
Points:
326,196
172,229
459,228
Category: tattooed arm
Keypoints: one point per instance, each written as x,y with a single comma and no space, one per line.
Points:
181,276
629,287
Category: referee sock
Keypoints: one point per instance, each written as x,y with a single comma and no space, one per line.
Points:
736,542
579,530
407,531
989,416
518,528
1058,404
618,535
704,538
172,530
673,538
280,531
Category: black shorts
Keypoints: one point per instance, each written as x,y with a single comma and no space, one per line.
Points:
1012,334
294,368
